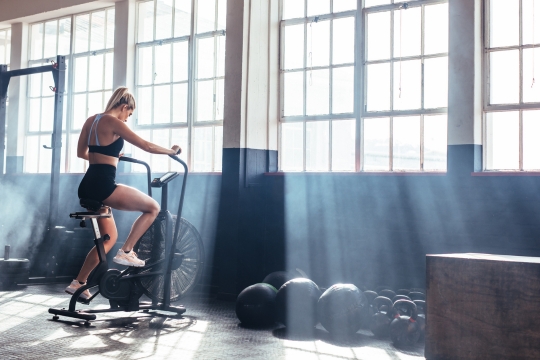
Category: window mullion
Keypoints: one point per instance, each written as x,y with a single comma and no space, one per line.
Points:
521,140
191,85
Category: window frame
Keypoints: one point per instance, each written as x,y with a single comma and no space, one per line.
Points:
360,85
521,106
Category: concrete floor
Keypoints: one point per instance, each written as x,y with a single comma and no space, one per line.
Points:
208,330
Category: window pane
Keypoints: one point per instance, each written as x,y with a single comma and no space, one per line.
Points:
531,140
378,36
34,116
79,111
407,84
202,149
97,35
369,3
407,32
293,93
205,100
76,164
81,74
37,41
292,146
140,154
160,162
318,42
222,15
47,113
503,23
51,28
31,155
220,99
110,29
182,18
294,47
206,15
343,145
162,104
504,77
64,36
205,58
109,58
293,9
343,51
531,91
318,92
436,29
95,81
47,83
436,82
220,71
45,155
145,73
435,135
503,140
3,57
180,138
180,100
406,135
317,145
144,105
95,103
218,148
378,87
164,19
318,7
343,90
162,69
145,25
180,61
82,24
34,85
376,144
344,5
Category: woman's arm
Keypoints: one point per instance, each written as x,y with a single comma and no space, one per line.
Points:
82,145
127,134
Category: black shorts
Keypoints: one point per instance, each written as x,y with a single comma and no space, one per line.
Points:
98,183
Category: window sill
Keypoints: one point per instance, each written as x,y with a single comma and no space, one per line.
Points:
506,173
360,173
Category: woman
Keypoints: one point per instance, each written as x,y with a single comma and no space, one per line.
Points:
101,139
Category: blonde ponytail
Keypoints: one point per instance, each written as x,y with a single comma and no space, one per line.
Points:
121,96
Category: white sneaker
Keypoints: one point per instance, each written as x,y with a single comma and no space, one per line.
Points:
74,286
128,259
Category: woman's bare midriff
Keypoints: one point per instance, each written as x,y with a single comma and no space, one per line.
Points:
96,158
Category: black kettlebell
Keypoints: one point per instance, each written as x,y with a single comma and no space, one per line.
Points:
379,288
400,297
404,330
417,295
387,293
421,319
380,321
366,315
403,292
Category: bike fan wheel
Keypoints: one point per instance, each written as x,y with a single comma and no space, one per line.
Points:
151,249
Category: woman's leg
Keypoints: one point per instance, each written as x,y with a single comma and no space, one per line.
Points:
130,199
106,226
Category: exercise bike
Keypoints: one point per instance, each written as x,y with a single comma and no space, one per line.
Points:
173,260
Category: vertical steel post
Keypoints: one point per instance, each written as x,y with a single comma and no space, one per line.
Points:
59,75
4,81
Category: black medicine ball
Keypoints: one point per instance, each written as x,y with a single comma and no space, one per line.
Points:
255,305
296,305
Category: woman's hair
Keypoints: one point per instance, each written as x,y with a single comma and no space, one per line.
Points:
121,96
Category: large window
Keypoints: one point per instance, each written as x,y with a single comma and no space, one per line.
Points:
179,80
87,42
512,85
379,108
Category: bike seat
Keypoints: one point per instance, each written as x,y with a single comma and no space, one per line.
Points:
92,205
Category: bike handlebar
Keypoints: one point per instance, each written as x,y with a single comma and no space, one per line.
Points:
148,172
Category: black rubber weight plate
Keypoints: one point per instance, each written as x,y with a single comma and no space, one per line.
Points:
183,279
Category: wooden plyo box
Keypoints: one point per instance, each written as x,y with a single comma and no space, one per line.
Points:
482,306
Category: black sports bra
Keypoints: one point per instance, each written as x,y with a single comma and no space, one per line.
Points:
112,149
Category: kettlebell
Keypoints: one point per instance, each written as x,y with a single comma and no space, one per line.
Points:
421,319
366,315
404,330
400,297
380,321
403,292
387,293
417,295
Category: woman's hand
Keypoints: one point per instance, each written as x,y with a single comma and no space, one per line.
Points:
177,150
